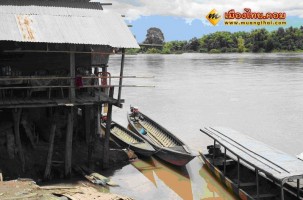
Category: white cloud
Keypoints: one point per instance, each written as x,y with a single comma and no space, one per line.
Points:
198,9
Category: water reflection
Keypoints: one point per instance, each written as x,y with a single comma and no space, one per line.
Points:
159,173
213,190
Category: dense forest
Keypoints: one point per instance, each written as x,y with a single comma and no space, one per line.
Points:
257,41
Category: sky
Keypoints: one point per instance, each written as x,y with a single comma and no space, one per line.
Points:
185,19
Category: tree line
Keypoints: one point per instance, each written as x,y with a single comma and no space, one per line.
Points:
256,41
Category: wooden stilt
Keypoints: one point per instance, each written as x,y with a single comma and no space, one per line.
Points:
10,143
87,118
69,143
91,135
16,118
107,132
98,121
28,130
106,139
50,150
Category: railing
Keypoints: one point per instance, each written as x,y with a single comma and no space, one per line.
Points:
30,84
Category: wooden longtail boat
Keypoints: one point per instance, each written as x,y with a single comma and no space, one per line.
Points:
127,139
168,147
251,169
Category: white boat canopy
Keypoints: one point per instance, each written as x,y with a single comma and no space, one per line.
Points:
257,155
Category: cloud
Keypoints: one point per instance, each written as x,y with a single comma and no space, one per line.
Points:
198,9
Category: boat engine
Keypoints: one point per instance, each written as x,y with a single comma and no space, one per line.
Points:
214,150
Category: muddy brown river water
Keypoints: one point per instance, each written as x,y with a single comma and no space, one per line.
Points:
260,95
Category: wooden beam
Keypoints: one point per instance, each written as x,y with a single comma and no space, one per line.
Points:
16,118
50,149
69,142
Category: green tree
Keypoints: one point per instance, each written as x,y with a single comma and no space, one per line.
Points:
241,44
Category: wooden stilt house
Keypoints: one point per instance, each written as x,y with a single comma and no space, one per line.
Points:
50,55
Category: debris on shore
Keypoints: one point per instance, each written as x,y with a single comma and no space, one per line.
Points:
28,189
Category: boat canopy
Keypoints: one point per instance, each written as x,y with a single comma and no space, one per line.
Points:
256,154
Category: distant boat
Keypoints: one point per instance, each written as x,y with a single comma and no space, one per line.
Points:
127,139
168,147
252,169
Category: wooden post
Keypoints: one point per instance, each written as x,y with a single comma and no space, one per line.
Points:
69,142
104,73
298,188
98,120
121,75
91,135
87,116
282,191
72,91
107,132
238,172
224,171
16,118
50,149
214,152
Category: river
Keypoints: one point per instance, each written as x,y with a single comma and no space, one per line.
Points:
260,95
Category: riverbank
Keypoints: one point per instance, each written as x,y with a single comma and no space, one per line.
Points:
75,190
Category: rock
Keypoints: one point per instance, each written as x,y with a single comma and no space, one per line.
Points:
154,36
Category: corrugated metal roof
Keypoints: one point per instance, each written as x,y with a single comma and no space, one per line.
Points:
273,161
46,10
53,3
35,23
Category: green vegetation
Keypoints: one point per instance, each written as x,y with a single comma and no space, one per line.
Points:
257,41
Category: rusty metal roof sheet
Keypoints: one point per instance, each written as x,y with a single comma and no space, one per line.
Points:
59,24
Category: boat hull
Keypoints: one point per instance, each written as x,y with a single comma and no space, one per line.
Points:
230,185
165,153
140,151
137,148
173,157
